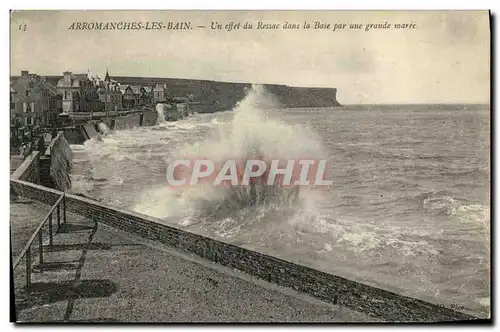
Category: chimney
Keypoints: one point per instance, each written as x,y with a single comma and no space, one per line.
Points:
67,76
24,73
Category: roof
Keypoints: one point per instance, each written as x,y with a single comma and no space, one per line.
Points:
52,89
24,83
75,80
159,86
124,88
136,89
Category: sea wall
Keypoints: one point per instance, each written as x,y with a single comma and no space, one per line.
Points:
89,130
79,133
326,287
149,118
127,121
75,134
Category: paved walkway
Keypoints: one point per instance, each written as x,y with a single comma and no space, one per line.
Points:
15,162
25,216
93,273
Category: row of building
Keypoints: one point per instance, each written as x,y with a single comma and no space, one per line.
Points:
36,101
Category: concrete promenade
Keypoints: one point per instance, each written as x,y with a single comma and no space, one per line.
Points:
94,273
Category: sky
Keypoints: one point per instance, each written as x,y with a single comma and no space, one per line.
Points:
444,59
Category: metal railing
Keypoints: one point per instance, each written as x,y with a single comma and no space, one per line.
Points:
27,250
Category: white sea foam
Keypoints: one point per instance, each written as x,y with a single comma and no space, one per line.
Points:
249,132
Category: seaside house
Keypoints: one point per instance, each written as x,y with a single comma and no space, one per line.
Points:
146,95
109,91
135,96
55,103
33,101
136,89
128,96
160,93
79,94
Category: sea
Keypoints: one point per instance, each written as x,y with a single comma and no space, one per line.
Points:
408,209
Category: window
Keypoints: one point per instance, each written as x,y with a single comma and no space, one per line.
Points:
28,121
27,93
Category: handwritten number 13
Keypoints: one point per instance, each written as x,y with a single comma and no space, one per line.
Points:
22,27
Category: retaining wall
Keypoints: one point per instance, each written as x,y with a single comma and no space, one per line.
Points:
329,288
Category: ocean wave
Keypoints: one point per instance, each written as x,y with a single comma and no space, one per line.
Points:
248,133
444,203
81,184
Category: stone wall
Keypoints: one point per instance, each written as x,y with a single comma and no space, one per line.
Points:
29,170
329,288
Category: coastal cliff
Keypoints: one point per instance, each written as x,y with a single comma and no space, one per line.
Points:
304,97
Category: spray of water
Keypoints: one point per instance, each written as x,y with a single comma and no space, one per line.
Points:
103,128
161,113
252,132
61,163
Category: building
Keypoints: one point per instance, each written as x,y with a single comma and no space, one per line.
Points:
135,96
79,94
55,104
160,93
146,97
109,93
33,101
13,93
129,98
143,95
